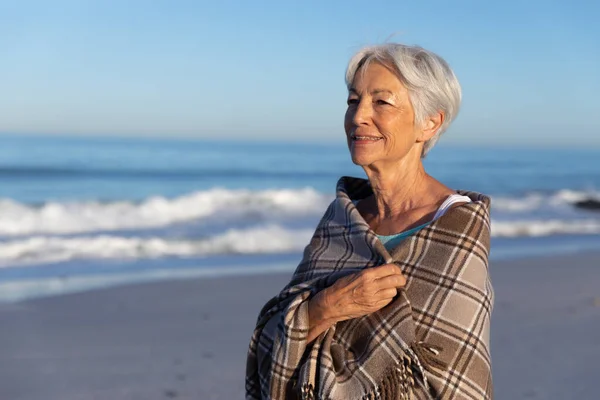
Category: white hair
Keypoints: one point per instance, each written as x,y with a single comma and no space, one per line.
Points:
431,84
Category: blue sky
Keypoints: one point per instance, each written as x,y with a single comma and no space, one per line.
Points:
274,70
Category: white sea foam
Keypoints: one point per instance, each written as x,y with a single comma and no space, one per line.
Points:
97,230
535,201
82,217
268,239
17,219
44,249
544,227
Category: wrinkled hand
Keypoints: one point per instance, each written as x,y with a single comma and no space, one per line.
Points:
361,293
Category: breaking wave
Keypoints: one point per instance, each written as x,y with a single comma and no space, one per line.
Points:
233,222
93,216
258,240
18,219
43,249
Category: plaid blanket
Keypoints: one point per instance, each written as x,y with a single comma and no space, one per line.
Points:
431,341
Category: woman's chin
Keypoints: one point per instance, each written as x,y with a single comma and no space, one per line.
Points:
361,156
361,159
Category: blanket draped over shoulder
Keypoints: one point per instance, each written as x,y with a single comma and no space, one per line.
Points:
431,341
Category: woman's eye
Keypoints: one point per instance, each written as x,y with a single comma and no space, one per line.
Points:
381,102
352,101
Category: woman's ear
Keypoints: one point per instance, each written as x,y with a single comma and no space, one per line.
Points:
431,126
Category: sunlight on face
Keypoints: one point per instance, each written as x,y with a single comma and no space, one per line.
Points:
379,121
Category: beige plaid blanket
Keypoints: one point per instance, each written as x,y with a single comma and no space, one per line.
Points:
432,341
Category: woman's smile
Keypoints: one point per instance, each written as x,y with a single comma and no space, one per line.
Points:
365,140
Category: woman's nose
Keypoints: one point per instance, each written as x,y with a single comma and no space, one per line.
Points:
362,113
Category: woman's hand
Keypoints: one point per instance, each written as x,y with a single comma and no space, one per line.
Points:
353,296
362,293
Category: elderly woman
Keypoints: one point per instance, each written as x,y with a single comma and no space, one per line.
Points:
392,299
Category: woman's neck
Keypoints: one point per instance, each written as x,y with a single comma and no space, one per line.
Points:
400,189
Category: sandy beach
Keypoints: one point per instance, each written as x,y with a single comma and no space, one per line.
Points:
188,339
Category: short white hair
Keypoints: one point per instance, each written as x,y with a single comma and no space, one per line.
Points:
431,83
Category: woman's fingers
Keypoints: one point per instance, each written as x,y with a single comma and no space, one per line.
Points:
391,281
387,294
363,292
383,271
382,303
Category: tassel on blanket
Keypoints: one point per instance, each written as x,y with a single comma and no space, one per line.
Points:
428,355
307,392
398,384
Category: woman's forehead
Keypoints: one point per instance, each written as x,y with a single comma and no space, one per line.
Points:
376,78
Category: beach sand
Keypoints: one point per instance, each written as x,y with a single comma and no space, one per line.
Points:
188,339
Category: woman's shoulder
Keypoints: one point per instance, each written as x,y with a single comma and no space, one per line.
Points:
475,196
466,195
466,212
461,197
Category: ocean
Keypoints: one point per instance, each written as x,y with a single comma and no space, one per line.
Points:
83,213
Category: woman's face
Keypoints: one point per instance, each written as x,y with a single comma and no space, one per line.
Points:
379,120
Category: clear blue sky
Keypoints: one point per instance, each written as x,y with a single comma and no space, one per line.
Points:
274,69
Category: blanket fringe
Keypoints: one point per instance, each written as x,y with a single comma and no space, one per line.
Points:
307,392
428,355
398,384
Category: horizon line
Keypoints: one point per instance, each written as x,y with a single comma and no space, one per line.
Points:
292,139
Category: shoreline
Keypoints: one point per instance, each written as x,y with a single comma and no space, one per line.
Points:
187,338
